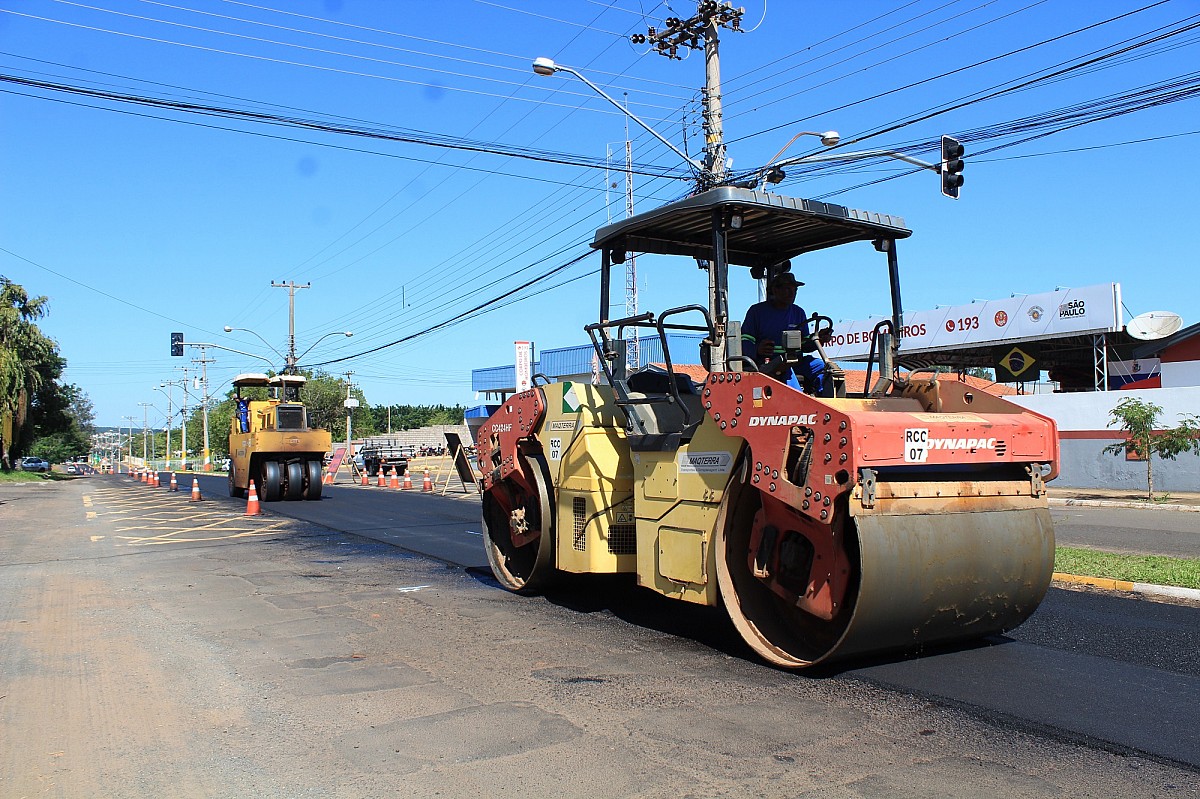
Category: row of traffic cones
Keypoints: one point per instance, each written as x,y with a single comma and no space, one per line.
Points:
393,480
151,478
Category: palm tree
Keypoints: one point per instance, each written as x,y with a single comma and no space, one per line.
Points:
24,351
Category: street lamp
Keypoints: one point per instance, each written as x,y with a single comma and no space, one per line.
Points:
345,333
546,66
183,417
170,415
229,329
131,420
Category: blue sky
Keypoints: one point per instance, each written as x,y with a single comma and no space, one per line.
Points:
138,220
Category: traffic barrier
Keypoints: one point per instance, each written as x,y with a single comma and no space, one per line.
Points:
174,486
195,490
395,481
407,480
252,507
382,480
426,483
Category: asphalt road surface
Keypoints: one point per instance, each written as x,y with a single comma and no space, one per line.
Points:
1132,530
156,646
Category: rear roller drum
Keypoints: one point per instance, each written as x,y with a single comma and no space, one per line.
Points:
271,482
295,481
518,526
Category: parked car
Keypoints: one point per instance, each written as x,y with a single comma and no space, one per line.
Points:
34,465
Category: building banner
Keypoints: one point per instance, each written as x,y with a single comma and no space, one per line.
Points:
1029,317
524,365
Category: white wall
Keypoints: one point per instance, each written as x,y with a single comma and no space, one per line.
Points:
1089,410
1084,464
1183,373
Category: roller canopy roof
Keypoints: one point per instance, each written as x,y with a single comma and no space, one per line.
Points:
774,228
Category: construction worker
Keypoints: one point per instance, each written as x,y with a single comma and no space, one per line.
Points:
762,336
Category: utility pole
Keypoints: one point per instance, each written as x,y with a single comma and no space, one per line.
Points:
184,418
291,286
204,361
131,420
145,408
703,27
350,404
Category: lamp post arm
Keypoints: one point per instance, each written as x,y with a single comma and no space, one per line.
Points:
230,349
694,163
318,341
271,347
853,156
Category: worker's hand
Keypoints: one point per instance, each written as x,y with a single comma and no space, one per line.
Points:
766,348
824,336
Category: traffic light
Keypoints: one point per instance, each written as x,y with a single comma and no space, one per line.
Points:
952,166
177,344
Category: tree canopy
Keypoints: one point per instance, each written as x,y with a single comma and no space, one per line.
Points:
40,415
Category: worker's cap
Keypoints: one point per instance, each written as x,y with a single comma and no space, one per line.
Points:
784,280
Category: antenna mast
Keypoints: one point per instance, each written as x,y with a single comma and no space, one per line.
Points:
633,350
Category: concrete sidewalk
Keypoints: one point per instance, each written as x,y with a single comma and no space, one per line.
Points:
1124,498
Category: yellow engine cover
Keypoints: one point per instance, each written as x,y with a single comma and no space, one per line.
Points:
648,513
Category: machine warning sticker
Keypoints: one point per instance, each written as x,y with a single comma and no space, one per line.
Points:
570,398
564,424
705,462
916,445
555,449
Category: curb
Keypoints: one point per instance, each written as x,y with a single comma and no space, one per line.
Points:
1124,585
1117,503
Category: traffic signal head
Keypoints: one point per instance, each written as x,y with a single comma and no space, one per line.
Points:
952,166
177,344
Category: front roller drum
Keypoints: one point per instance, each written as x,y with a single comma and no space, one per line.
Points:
938,576
518,528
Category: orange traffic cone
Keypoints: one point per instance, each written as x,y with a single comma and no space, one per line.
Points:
195,490
252,508
426,484
395,481
154,479
174,486
382,480
364,477
407,480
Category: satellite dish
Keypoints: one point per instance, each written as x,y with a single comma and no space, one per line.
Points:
1154,325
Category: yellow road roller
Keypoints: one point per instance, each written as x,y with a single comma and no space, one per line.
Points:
826,523
270,441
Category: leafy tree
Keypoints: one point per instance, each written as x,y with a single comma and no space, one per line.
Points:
31,402
410,417
53,427
1139,420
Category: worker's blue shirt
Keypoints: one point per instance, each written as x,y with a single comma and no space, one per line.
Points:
766,322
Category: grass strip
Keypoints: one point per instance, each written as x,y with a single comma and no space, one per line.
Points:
1155,569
